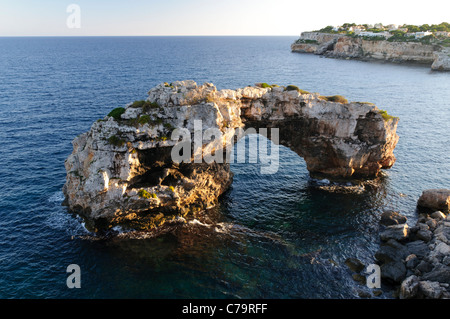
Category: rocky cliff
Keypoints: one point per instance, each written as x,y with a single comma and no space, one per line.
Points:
342,46
123,171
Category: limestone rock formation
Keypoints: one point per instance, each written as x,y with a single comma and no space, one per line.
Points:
342,46
442,60
123,172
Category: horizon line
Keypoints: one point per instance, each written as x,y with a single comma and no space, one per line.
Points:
169,35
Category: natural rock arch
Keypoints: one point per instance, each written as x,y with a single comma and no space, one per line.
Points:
122,172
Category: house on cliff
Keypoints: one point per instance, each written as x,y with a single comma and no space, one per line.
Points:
420,35
442,34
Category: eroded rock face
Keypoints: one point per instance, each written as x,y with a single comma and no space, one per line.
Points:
122,172
442,60
342,46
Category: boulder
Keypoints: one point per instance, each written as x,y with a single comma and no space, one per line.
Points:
409,288
437,215
431,289
425,235
390,218
440,273
412,261
396,232
424,267
435,199
394,271
418,248
391,251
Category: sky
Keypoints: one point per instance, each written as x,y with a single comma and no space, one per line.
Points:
203,17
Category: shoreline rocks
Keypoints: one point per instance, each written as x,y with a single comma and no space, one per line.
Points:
435,200
417,258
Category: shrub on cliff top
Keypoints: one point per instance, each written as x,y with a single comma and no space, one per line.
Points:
116,113
386,116
295,88
137,104
334,98
146,105
292,88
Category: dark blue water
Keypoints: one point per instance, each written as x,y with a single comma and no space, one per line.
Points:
273,236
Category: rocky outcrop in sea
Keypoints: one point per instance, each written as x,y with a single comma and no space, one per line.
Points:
122,172
346,47
417,259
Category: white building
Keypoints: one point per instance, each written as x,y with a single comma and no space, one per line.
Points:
442,34
374,34
378,26
392,27
422,34
356,29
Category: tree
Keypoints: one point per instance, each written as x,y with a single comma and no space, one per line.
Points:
425,27
413,28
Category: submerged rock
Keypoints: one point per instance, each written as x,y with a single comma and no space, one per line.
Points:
354,264
123,171
390,218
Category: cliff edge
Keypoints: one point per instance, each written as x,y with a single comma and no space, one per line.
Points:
362,48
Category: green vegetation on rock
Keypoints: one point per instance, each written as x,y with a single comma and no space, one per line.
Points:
334,98
295,88
116,141
116,113
386,116
292,88
144,119
146,105
145,194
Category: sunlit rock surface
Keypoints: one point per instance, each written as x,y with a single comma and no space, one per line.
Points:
122,171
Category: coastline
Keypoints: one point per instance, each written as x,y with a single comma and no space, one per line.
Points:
342,46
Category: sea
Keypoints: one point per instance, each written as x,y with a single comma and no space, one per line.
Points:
274,236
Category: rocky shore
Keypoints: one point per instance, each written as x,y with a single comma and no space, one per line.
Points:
122,171
346,47
416,259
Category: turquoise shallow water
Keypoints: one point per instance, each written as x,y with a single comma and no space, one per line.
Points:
273,236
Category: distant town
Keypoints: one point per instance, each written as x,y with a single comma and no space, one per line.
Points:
436,33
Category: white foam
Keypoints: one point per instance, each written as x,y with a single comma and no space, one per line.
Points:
197,222
223,227
57,197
